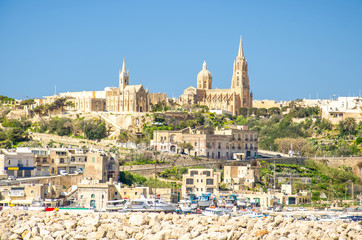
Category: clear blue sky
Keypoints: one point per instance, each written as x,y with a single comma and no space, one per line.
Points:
295,49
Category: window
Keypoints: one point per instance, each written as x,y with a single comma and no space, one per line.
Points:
188,190
210,190
195,144
81,196
72,159
135,193
92,196
192,173
189,181
115,193
207,173
210,181
61,160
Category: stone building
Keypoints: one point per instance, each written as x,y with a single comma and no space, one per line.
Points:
230,100
30,162
199,181
237,176
222,143
23,194
157,97
125,98
96,195
19,163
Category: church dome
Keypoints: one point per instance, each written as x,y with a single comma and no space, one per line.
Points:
204,78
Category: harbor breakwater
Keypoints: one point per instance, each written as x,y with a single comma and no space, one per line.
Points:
19,224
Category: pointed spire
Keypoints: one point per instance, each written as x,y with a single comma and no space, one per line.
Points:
204,65
124,66
241,53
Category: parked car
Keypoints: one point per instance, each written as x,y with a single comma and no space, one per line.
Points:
63,172
302,209
11,178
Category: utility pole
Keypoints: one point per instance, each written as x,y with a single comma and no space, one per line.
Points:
352,193
274,178
155,179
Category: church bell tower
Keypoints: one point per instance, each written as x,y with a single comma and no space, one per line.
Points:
240,79
123,77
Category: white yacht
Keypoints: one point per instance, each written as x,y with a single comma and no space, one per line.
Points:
149,205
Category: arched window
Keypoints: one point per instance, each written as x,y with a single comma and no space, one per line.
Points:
92,196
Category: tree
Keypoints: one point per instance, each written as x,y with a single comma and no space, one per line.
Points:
243,111
200,120
298,145
262,112
273,110
27,102
95,129
189,147
347,127
181,146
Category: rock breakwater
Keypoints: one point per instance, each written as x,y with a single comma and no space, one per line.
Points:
18,224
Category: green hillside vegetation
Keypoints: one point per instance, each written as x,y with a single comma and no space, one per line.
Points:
137,180
333,182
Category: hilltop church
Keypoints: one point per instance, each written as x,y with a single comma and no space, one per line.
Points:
230,100
125,98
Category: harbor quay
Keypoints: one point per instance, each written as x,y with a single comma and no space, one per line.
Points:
22,224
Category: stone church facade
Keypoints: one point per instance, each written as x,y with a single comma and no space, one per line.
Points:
122,99
229,100
127,98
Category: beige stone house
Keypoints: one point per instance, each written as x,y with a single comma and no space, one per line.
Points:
96,195
199,181
238,176
230,100
208,142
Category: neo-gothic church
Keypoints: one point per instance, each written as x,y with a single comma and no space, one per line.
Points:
127,98
230,100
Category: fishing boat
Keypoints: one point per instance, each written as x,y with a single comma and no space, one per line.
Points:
187,206
116,205
205,200
149,205
213,211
